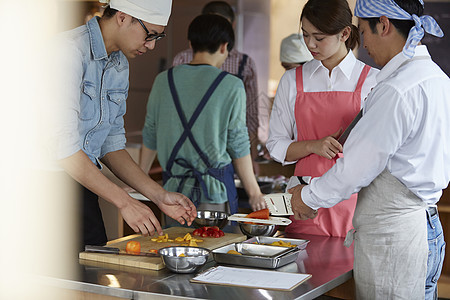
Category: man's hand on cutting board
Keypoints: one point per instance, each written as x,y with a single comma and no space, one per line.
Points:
140,217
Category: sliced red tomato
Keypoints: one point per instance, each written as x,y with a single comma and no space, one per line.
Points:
259,214
133,247
208,231
197,232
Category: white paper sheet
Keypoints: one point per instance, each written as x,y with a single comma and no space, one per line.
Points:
251,278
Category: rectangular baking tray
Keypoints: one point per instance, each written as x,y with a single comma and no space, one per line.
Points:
255,255
301,244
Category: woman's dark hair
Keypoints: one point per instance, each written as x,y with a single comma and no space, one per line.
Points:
331,17
221,8
403,26
208,32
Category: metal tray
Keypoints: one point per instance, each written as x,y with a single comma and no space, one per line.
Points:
255,255
301,244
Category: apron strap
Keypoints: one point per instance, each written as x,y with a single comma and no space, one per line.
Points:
241,67
192,172
187,126
349,238
187,133
362,78
299,79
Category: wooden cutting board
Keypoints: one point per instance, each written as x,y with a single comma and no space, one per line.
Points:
155,263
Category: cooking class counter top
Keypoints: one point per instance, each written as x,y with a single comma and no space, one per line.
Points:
328,261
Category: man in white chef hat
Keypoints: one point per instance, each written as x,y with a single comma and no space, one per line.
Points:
396,157
94,80
293,51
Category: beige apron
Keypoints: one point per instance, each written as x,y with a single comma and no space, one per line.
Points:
390,241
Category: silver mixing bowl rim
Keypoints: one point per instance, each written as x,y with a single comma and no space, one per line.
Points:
213,211
207,250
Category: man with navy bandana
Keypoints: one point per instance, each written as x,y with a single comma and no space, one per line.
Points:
396,157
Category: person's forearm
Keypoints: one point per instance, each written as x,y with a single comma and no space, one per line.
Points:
124,167
80,167
298,150
146,158
244,169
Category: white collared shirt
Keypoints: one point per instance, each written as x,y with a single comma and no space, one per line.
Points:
405,127
316,78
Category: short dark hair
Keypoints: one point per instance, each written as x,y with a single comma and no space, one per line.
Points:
208,32
109,12
403,26
331,17
221,8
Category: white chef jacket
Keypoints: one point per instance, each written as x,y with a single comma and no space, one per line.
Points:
405,127
316,78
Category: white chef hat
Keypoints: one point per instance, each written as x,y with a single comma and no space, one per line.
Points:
151,11
293,49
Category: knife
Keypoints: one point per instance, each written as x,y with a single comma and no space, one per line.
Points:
112,250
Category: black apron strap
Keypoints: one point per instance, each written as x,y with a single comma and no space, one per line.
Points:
300,178
241,67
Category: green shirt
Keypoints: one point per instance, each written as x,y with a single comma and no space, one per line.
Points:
220,130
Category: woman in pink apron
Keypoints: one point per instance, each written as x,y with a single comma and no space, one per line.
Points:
315,102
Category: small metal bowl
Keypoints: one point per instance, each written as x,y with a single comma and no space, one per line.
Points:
257,229
194,258
211,218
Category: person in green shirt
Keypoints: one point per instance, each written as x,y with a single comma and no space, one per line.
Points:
195,122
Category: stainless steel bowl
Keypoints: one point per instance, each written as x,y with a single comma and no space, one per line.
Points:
257,229
211,218
194,258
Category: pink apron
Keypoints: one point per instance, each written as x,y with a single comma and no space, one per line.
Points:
319,114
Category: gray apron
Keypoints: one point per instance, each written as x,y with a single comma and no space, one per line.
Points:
390,241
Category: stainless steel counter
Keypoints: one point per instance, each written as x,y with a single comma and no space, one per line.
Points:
327,259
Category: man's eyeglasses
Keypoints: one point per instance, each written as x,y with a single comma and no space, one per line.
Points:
151,36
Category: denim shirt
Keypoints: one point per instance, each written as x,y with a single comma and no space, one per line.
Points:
94,93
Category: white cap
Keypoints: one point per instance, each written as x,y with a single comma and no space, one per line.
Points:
151,11
293,49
